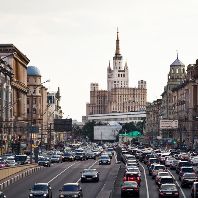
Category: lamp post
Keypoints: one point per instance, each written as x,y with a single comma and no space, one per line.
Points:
31,119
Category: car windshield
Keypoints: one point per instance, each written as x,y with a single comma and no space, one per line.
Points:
70,188
163,174
104,158
132,175
89,171
130,184
184,164
190,175
159,167
190,170
166,180
40,187
168,187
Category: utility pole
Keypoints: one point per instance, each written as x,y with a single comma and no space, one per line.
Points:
50,136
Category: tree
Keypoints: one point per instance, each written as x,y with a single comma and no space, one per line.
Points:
88,129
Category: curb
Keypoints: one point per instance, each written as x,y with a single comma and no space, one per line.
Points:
19,176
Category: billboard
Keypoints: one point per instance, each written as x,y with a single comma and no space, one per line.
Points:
62,125
106,132
168,124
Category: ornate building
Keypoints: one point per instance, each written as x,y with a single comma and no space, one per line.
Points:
15,105
119,97
37,105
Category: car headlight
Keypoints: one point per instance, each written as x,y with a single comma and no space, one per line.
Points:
44,195
31,195
83,176
75,195
61,196
95,176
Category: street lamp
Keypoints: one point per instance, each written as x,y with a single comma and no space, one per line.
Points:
31,119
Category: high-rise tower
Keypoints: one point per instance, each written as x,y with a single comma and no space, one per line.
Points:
118,76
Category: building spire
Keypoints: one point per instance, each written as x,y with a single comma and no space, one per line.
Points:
177,54
117,52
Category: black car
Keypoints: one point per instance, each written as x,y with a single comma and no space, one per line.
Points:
90,175
80,156
104,160
194,190
188,179
70,190
68,157
41,190
2,195
44,161
168,190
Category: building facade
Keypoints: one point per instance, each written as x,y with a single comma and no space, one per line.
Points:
16,101
119,97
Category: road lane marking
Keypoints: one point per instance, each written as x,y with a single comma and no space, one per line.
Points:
61,172
178,184
147,191
88,168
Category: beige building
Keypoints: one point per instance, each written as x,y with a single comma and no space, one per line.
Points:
18,105
185,107
119,97
37,106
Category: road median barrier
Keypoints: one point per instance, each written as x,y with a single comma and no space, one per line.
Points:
10,175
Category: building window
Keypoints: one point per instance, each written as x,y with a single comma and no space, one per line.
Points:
34,101
34,110
28,101
28,111
118,75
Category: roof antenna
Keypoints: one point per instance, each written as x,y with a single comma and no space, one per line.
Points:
177,54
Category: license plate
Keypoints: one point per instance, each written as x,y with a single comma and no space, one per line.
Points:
169,193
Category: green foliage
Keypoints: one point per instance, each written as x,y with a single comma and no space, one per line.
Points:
88,129
131,126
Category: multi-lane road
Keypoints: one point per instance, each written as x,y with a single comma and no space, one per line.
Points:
148,188
61,173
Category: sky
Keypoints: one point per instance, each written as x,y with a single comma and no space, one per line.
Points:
72,41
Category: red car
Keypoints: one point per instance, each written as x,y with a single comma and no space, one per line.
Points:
132,176
129,188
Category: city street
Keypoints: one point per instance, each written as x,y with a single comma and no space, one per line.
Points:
148,187
61,173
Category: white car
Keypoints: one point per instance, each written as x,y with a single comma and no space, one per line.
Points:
11,163
194,160
169,161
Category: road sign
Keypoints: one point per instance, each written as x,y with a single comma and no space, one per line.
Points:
168,124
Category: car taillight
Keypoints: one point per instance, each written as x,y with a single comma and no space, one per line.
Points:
176,193
136,189
161,193
138,178
124,188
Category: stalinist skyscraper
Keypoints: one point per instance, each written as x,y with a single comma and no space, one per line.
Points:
119,97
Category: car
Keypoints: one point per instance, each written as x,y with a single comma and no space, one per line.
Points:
151,161
132,176
56,159
157,168
41,190
11,163
129,188
91,155
185,169
168,190
44,161
168,161
71,190
194,190
182,164
109,153
80,156
159,175
21,159
2,195
3,164
104,160
90,175
194,160
68,157
187,179
174,164
165,180
133,169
